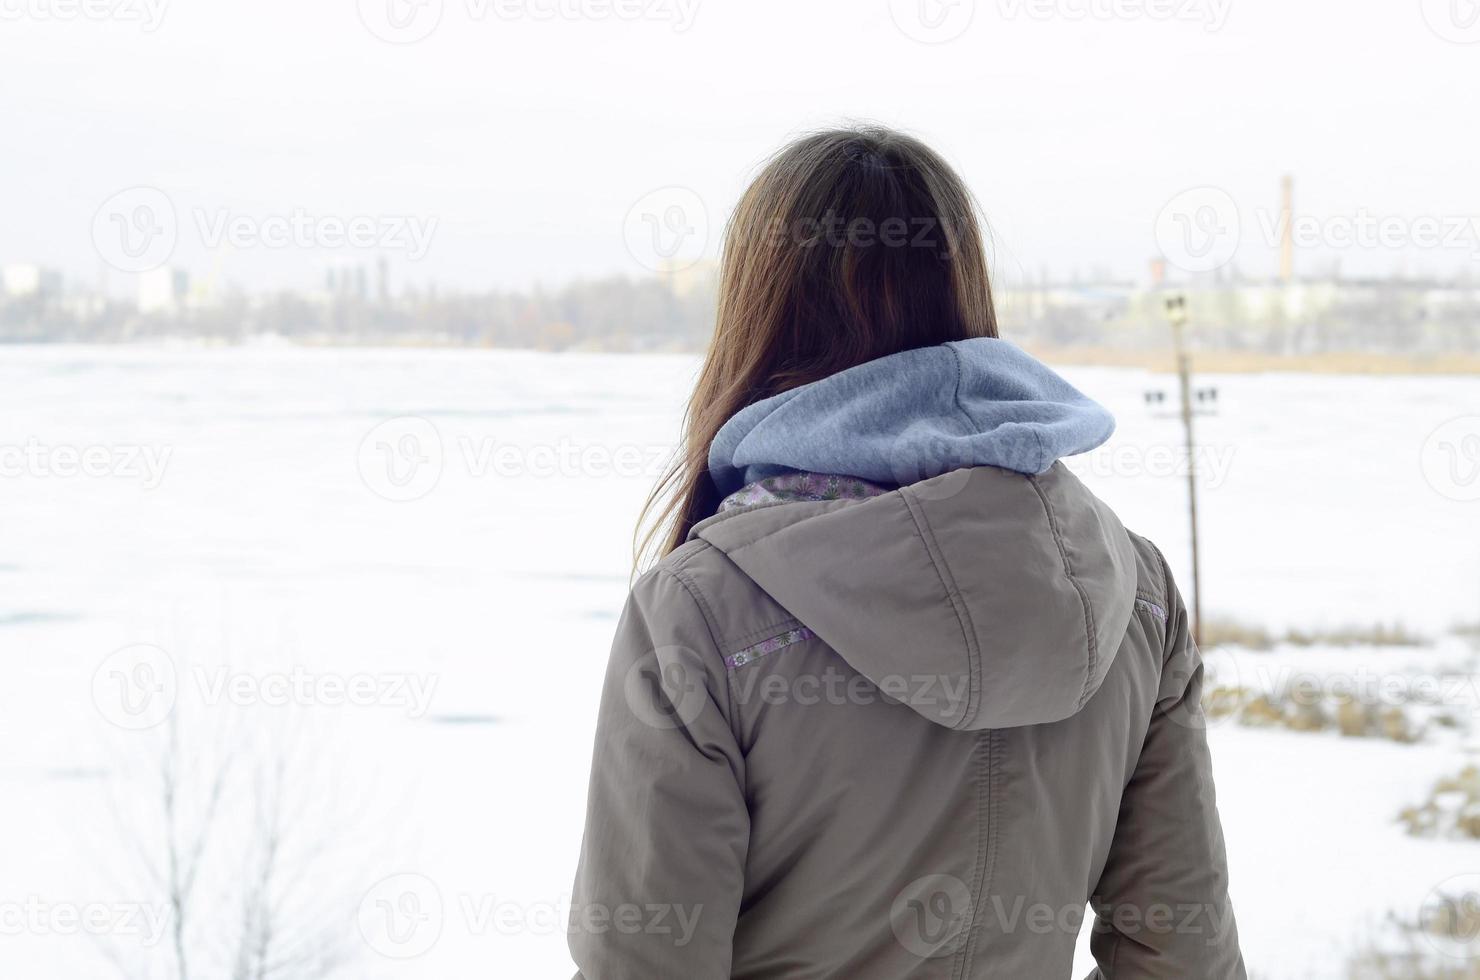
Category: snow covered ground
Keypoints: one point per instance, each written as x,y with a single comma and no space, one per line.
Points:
397,572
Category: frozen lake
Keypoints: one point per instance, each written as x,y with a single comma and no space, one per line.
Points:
407,565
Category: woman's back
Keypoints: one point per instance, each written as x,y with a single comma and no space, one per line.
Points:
902,696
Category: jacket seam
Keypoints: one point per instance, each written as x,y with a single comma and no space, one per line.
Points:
986,838
1166,586
696,533
1092,645
953,594
706,612
733,512
680,573
956,395
721,640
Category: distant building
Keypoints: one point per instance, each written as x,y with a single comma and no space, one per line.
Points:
348,280
1287,229
24,280
163,290
686,278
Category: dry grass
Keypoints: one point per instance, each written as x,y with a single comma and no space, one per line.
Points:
1451,811
1379,965
1442,945
1247,362
1349,718
1224,631
1375,635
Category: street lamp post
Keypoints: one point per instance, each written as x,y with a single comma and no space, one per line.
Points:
1177,314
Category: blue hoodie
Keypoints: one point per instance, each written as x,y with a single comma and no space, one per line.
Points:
912,416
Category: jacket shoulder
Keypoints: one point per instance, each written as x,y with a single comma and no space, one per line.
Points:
1153,580
738,611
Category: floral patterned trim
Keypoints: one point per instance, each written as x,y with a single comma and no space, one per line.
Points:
802,486
765,647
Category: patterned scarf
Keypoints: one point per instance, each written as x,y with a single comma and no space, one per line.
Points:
802,486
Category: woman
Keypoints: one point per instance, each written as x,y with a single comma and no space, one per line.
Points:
901,696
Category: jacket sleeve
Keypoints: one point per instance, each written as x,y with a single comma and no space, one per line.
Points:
1162,906
658,889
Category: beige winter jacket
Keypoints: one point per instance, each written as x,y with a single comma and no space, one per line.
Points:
912,736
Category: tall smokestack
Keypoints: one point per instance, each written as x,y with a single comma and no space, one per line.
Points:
1287,229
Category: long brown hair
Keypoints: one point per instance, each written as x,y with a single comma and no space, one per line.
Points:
850,245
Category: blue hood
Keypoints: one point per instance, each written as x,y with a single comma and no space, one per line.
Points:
913,416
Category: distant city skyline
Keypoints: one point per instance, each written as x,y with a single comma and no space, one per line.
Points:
520,147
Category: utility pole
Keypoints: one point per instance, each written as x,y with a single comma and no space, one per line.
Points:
1177,314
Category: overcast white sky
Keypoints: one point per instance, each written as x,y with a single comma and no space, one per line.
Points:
529,140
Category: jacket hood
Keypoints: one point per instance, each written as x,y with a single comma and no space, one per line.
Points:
982,598
992,589
914,415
